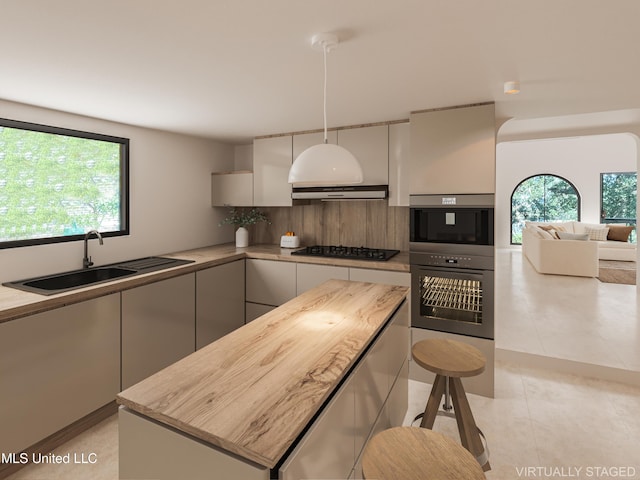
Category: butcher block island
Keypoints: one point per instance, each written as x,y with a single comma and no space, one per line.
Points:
294,394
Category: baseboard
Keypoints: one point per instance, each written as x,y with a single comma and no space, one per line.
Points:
61,437
582,369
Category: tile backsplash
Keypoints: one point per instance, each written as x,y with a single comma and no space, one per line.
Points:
369,223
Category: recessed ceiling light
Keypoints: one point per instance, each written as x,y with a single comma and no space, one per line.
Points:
511,88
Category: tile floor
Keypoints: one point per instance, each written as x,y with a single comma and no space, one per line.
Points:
563,317
549,422
541,423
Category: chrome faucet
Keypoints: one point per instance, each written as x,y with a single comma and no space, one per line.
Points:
86,261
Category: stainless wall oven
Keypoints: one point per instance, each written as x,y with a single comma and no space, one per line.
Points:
452,263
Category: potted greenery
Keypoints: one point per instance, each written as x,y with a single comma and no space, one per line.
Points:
242,219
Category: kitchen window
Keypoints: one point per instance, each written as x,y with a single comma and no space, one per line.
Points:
56,184
542,198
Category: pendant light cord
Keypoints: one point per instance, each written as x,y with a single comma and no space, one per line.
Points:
324,48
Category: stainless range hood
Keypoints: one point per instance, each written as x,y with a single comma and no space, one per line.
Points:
349,192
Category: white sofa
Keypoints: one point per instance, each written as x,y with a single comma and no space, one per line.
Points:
560,257
607,249
548,254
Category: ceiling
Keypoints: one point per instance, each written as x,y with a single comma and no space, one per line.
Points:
235,69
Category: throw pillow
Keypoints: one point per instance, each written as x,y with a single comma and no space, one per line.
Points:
553,229
597,234
542,233
619,233
573,236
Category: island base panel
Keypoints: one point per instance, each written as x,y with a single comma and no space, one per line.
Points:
148,450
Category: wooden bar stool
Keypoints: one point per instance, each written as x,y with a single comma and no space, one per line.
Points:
450,360
411,453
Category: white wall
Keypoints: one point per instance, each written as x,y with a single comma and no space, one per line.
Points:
578,159
170,197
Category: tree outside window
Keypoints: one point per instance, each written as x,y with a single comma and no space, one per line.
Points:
618,199
542,198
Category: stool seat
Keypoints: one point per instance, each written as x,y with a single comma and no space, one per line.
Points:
411,453
449,357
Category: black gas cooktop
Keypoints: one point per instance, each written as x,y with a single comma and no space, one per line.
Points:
339,251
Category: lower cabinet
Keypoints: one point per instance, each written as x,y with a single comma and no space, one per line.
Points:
57,367
373,398
158,326
219,301
255,310
402,279
327,451
309,276
269,284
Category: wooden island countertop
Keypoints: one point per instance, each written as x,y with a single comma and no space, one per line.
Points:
254,391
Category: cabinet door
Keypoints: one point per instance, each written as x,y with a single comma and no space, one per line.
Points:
453,151
399,341
402,279
305,140
327,449
398,401
56,367
272,158
309,276
158,327
270,282
233,189
219,301
399,165
370,145
255,310
370,381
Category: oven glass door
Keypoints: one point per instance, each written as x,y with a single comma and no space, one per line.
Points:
470,226
453,300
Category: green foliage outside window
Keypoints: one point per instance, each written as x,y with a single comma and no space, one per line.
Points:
542,198
56,185
619,199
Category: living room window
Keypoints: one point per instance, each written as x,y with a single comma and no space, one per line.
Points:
542,198
56,184
618,192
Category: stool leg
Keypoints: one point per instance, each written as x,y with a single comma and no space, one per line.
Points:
469,434
433,404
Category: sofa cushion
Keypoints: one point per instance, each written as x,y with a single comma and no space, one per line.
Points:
542,233
573,236
597,234
567,226
617,245
619,233
581,227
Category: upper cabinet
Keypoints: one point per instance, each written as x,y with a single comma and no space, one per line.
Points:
370,145
303,141
272,158
399,164
453,150
232,189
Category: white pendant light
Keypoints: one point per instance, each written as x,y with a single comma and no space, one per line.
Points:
325,164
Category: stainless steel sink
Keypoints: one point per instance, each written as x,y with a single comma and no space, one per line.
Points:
63,282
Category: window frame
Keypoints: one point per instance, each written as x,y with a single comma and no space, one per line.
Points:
579,198
124,180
